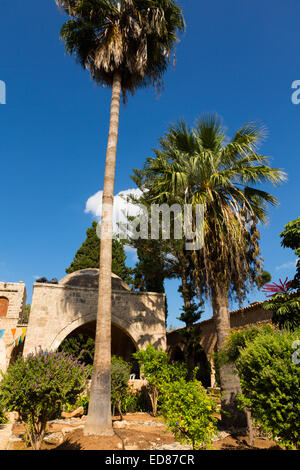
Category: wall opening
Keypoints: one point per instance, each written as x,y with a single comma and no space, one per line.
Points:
82,341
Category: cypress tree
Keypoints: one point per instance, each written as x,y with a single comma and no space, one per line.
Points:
88,255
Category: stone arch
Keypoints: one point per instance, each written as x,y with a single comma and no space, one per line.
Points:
4,303
122,343
59,309
81,321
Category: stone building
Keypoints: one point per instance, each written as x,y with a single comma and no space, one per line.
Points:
70,307
12,304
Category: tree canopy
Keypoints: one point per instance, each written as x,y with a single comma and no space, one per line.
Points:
202,166
88,255
291,239
135,38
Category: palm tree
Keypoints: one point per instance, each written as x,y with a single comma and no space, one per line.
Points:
125,45
202,166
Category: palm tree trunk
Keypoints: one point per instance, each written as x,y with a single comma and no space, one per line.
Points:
230,383
99,420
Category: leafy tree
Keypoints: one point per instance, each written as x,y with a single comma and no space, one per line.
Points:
285,301
88,255
201,166
25,314
38,386
157,370
125,45
190,315
291,239
120,374
166,259
190,414
263,279
270,382
79,346
149,273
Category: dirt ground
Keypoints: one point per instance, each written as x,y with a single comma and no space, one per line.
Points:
139,431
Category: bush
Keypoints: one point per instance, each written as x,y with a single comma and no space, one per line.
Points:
135,403
3,418
270,381
82,400
120,374
189,412
237,340
38,386
157,370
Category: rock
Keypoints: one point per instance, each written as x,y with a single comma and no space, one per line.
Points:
120,424
12,416
54,438
74,414
125,424
120,446
66,430
132,447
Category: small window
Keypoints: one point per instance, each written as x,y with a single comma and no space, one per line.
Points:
3,306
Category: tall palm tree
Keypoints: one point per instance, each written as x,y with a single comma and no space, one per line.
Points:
202,166
125,45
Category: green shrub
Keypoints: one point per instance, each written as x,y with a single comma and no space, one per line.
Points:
135,403
157,370
120,374
189,412
3,418
237,340
270,381
81,401
81,346
286,309
38,386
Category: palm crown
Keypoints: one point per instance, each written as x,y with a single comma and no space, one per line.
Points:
202,166
133,37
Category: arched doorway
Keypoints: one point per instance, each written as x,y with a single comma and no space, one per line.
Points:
83,337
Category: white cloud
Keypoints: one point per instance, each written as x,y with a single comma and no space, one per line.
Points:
131,253
290,265
121,205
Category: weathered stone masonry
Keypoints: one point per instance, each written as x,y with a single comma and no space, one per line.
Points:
16,295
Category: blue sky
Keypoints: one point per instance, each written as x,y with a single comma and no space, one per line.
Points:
237,58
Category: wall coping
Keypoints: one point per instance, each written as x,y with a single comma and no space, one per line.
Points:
233,313
64,287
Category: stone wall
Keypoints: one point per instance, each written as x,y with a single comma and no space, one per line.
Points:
16,295
57,310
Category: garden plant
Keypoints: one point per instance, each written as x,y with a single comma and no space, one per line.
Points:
38,386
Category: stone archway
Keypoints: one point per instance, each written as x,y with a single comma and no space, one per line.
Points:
122,344
59,309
